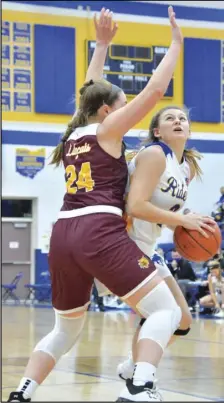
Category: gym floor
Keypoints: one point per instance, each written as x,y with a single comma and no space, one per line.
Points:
192,369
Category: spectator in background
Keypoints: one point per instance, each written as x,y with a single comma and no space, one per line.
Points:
203,287
221,200
182,269
183,272
218,256
218,213
215,297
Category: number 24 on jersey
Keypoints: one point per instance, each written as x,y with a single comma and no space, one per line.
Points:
79,180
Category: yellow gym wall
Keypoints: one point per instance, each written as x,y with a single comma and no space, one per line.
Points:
129,33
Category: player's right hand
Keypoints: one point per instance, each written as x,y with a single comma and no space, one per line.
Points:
177,36
105,27
199,222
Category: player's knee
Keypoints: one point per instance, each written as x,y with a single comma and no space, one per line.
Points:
186,320
64,335
185,325
182,332
159,298
142,321
163,313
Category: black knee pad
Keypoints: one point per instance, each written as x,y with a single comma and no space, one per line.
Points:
142,321
182,332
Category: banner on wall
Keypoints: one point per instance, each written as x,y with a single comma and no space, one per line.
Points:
28,162
16,67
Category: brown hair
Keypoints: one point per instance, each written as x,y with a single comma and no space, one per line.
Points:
191,155
215,264
93,95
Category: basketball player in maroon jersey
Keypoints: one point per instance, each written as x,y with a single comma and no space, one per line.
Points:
90,239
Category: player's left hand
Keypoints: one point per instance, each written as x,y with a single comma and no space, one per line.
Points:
105,27
177,36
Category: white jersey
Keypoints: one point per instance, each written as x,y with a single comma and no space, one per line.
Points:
169,194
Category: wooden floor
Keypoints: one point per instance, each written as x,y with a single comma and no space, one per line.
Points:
191,370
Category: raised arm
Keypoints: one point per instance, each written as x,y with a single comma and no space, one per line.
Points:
119,122
105,31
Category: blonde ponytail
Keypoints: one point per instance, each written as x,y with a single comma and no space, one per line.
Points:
78,120
191,157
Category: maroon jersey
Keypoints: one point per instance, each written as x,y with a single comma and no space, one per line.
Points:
92,176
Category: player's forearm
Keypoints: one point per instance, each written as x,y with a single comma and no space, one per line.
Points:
125,118
148,212
164,72
95,69
171,227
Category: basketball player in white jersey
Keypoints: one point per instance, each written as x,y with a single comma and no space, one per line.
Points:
160,174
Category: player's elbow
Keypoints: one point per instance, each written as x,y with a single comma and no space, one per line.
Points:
157,92
133,208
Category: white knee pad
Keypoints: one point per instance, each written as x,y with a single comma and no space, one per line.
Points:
62,338
159,262
162,313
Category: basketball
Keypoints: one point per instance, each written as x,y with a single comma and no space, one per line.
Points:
192,245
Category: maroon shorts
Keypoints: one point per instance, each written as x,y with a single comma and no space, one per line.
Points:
93,246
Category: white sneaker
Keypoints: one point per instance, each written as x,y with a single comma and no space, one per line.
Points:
125,369
219,314
146,393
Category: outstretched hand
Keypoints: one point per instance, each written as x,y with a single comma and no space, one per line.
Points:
176,31
105,27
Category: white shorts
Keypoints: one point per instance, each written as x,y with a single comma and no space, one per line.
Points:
101,288
159,262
